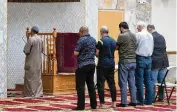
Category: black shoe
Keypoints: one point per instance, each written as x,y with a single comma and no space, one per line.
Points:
93,107
78,108
121,105
160,100
132,104
141,104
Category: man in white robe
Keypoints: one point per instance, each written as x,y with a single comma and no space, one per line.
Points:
33,51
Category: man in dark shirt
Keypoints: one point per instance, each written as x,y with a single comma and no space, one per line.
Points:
105,69
159,60
85,51
126,44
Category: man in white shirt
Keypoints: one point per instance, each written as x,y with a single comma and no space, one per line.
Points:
145,46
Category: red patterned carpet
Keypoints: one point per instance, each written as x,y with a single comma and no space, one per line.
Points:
68,101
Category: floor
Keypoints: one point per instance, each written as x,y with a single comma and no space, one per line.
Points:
65,102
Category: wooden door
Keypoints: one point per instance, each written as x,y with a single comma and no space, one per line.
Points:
111,19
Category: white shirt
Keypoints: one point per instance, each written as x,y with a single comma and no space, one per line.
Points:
145,43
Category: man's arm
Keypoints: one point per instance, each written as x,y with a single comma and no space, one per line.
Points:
43,47
77,48
152,44
98,47
119,41
28,47
97,52
137,39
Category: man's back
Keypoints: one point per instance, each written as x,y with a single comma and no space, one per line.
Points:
159,56
127,47
35,48
145,44
159,45
87,50
106,52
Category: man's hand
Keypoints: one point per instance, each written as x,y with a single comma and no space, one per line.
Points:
117,47
97,52
76,53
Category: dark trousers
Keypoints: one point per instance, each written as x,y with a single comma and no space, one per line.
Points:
85,74
102,75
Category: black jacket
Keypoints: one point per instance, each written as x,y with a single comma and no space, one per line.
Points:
159,55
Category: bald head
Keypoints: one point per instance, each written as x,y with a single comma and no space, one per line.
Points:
104,31
83,31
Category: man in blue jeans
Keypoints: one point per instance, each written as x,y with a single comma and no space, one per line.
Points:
145,46
126,44
159,61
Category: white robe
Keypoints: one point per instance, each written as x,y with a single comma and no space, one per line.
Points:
32,80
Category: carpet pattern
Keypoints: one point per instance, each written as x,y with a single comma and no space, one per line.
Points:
66,102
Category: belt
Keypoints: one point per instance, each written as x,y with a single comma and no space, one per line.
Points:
143,56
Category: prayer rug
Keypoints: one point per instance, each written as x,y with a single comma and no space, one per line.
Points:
65,44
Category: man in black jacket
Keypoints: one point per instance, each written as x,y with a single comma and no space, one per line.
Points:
159,60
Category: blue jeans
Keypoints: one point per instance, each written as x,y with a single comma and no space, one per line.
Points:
143,75
127,73
158,75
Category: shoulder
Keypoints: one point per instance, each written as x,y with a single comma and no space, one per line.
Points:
159,34
112,39
80,39
91,39
122,35
100,41
32,39
38,37
133,34
149,34
139,34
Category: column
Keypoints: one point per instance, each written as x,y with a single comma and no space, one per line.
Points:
3,48
135,12
91,19
91,16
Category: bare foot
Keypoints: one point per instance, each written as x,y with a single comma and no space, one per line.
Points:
113,104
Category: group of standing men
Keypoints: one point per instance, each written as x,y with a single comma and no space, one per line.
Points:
142,61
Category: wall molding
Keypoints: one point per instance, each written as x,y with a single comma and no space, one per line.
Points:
171,52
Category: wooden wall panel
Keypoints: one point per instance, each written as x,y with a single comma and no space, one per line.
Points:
47,81
58,83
